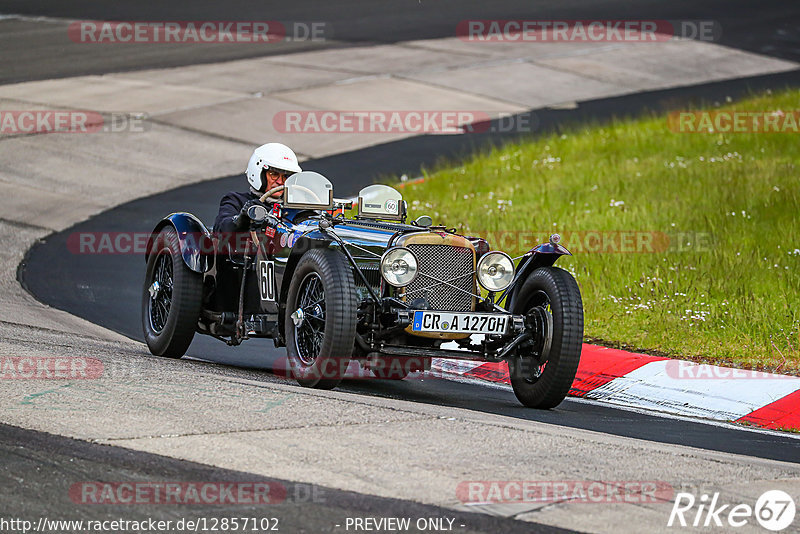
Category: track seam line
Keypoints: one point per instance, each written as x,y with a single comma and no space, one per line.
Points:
25,225
250,431
54,331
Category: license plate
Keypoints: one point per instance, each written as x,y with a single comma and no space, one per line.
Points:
462,323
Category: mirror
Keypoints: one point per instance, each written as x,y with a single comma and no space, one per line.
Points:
423,221
308,190
380,202
257,213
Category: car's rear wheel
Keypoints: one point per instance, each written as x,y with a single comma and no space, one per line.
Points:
171,298
320,322
542,371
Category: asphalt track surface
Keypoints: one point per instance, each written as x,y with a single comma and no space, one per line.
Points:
105,288
33,50
51,465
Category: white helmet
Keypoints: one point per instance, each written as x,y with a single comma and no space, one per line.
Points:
273,155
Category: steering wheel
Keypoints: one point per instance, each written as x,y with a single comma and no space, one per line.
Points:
267,197
310,192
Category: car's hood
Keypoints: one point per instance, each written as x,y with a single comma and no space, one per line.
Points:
365,232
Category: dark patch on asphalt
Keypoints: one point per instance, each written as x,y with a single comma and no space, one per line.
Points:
41,476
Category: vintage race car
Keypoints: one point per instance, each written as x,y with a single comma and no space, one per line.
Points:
391,295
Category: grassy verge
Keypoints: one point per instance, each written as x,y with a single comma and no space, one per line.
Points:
709,224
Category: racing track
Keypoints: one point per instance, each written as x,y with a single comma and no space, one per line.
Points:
42,51
105,288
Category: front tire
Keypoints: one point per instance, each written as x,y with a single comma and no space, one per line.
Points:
171,298
542,372
321,312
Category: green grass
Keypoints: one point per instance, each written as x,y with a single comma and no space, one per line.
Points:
725,290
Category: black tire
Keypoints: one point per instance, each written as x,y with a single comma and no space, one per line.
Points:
320,348
170,311
545,383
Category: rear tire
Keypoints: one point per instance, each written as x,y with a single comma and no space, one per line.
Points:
320,341
551,300
171,298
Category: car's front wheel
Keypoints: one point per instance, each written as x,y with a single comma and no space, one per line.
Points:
171,298
543,371
320,321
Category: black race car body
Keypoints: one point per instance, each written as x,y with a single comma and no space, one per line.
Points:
371,288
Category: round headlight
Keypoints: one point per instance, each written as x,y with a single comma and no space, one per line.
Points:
399,266
495,271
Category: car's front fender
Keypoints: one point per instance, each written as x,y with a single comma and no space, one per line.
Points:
544,255
197,247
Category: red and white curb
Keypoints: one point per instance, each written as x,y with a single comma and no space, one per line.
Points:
664,385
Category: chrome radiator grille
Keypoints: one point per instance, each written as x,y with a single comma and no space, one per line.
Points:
454,265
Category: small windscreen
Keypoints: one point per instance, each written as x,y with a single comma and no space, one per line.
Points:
308,189
380,202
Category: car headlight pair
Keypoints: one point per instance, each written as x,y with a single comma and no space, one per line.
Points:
399,268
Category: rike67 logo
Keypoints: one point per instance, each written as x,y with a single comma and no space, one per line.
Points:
774,510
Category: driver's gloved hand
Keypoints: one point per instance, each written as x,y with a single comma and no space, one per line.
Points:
242,219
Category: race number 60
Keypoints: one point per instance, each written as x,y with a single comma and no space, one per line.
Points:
266,278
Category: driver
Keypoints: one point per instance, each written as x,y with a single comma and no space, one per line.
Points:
268,168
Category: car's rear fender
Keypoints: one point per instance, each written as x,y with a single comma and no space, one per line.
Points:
544,255
197,247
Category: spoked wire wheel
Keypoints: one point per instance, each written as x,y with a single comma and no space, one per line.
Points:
310,315
160,292
171,297
320,319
